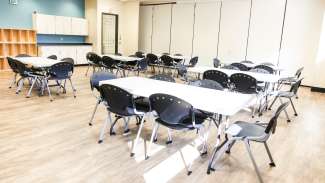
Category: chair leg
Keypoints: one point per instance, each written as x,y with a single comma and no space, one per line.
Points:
273,102
20,85
31,88
102,132
153,134
138,136
126,126
87,70
253,161
73,88
48,90
269,154
293,107
13,81
169,137
230,146
93,115
285,111
188,168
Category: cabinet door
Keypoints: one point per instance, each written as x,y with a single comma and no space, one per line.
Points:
79,26
68,52
62,25
44,24
49,50
81,54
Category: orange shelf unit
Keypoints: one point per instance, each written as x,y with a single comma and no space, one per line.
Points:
14,42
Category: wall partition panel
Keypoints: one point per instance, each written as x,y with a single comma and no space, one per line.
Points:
161,28
265,30
206,32
182,28
145,28
234,30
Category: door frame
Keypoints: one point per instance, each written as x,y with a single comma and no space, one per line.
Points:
116,31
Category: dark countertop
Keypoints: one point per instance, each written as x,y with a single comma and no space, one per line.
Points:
63,44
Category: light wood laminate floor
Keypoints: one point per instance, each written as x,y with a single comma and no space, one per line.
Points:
43,141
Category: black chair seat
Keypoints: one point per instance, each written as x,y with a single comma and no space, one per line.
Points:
200,117
249,129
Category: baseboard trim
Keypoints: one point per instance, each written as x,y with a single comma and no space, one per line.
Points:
317,89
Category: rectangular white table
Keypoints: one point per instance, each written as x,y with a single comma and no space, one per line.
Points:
269,78
219,102
123,58
37,62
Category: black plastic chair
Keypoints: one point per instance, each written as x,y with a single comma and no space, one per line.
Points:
193,62
230,67
142,66
206,83
54,57
110,64
13,67
175,113
153,61
265,67
139,54
243,83
248,133
68,59
291,80
289,95
94,84
218,76
216,63
167,62
240,66
94,60
121,103
59,72
163,77
23,55
176,59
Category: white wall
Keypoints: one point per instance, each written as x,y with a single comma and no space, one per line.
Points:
91,16
301,38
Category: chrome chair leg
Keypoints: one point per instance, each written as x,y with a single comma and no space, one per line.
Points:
153,134
103,130
188,168
31,87
20,85
253,160
93,114
48,90
87,70
169,137
270,107
13,81
285,111
269,154
73,88
293,107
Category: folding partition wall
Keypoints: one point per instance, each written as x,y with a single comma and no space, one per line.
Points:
278,31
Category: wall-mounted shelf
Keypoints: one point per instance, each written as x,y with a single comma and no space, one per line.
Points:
14,42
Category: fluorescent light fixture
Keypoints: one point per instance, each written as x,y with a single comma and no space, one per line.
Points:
13,2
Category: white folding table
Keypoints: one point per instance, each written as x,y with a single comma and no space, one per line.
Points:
37,62
123,58
268,78
214,101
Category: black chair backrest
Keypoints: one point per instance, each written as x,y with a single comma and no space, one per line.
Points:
193,61
100,76
271,127
12,64
167,60
299,71
230,67
267,63
177,59
218,76
142,64
108,62
68,59
54,57
295,86
178,54
206,83
23,55
247,62
93,57
240,66
139,54
244,83
170,109
163,77
21,68
118,100
61,70
152,58
259,70
216,62
265,67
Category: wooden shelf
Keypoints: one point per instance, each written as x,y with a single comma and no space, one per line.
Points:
14,42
